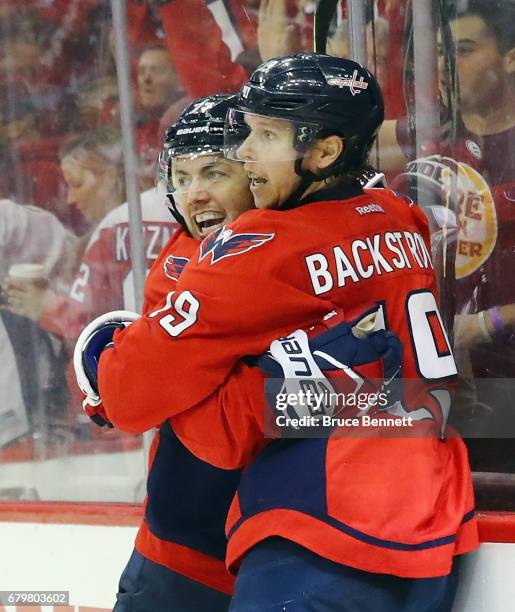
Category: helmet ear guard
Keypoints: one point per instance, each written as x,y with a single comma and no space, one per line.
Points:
304,137
348,162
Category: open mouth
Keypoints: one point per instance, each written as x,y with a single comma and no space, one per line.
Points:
208,221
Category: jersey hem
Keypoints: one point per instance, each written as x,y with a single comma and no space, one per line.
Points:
337,546
183,560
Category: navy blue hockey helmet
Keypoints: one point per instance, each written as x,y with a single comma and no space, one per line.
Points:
199,130
322,95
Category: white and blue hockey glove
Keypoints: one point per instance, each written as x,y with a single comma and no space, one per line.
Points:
94,339
331,357
371,178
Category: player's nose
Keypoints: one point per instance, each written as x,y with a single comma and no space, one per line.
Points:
245,151
197,198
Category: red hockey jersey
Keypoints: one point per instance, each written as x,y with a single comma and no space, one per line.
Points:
400,506
187,499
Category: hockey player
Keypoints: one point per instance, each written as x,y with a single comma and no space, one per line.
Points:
178,561
359,522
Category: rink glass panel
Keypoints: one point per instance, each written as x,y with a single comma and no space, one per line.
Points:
61,152
447,98
457,133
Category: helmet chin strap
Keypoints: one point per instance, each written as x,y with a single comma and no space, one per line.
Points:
307,178
172,207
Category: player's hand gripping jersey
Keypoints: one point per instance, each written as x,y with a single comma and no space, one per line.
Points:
375,504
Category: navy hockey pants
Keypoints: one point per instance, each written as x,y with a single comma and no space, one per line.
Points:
146,586
279,576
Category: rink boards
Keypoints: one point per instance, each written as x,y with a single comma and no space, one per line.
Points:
83,548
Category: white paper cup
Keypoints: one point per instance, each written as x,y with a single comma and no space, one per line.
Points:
28,272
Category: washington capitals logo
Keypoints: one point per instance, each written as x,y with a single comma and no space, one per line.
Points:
352,82
224,243
173,266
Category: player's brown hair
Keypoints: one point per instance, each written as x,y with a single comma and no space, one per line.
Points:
498,15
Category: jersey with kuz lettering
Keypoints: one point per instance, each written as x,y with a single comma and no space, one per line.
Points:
187,499
395,505
104,280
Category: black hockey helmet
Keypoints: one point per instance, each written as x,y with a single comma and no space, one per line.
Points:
199,130
322,95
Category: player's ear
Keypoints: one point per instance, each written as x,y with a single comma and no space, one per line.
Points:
509,61
325,151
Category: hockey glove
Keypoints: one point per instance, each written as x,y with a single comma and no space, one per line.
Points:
93,340
330,357
370,178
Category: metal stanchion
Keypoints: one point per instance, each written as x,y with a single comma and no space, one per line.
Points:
358,31
130,163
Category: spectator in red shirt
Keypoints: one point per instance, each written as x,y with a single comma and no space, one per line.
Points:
195,42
